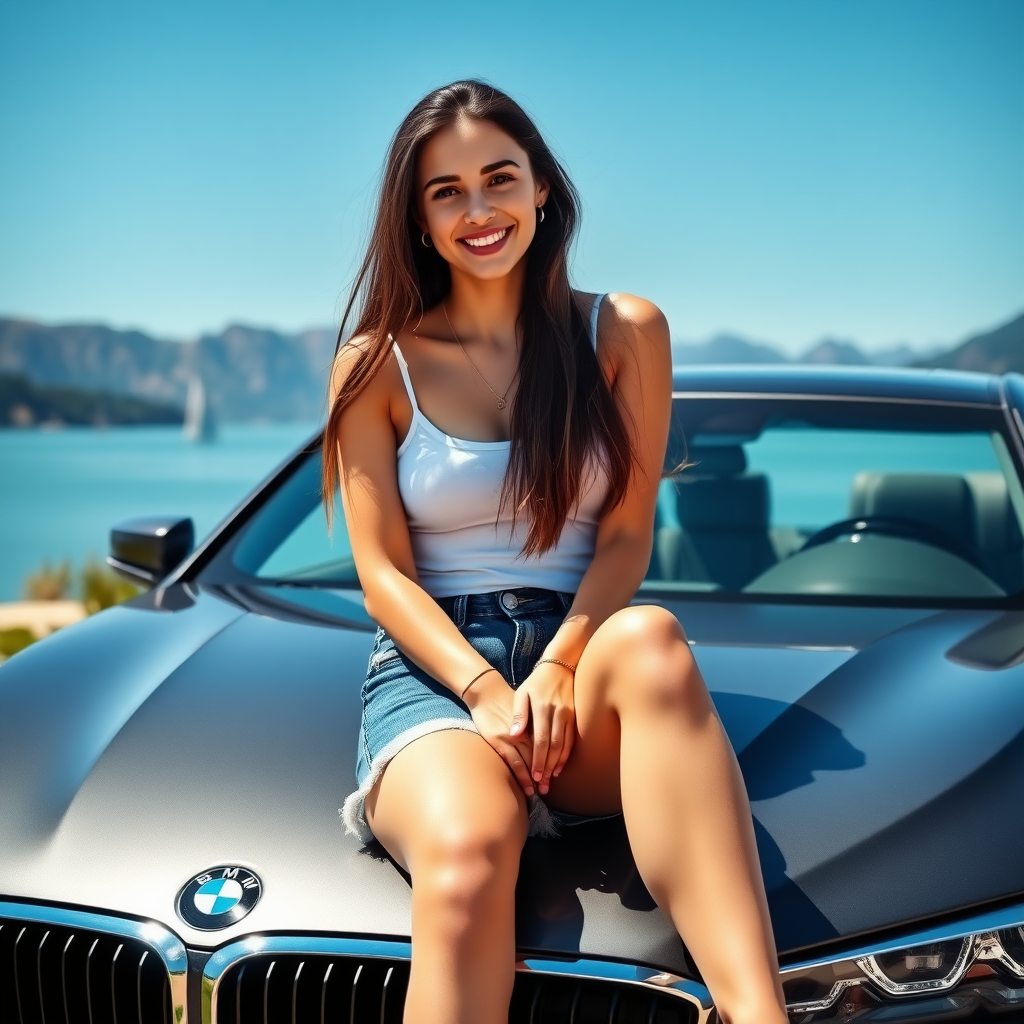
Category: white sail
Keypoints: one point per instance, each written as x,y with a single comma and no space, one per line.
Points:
199,423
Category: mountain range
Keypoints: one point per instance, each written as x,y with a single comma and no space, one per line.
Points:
997,351
253,374
250,374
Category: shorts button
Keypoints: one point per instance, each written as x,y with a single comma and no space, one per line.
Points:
510,601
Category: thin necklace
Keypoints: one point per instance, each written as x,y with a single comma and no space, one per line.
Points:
501,398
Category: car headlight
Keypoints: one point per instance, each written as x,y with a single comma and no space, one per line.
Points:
1012,942
936,967
928,981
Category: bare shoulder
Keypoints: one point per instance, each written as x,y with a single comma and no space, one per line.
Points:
638,314
633,335
345,360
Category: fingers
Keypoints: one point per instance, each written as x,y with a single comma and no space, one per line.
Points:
568,739
561,723
517,760
516,750
520,756
520,712
554,731
542,715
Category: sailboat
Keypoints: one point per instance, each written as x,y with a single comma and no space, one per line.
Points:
199,422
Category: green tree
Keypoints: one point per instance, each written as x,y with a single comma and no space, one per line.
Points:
103,588
49,583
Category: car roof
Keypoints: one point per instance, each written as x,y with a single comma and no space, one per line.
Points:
849,381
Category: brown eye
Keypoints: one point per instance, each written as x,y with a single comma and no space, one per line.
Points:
444,193
502,179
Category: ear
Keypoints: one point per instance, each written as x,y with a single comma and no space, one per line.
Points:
541,192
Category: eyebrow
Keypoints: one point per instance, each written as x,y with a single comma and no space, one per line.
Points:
446,179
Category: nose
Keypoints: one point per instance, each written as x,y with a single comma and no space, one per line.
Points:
478,210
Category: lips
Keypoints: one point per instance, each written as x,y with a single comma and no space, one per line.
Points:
485,243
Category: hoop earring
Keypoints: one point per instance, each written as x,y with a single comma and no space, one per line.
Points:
425,239
541,208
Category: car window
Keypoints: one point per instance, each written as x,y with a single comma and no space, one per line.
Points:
779,498
810,501
287,540
308,553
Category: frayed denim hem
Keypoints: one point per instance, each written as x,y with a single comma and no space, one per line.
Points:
353,811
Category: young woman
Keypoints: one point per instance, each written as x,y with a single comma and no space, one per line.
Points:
499,440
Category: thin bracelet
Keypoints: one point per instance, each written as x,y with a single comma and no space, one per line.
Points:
557,661
465,689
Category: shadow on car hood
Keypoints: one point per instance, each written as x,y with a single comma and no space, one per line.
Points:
152,742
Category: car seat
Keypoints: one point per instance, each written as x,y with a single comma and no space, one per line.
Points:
973,510
997,533
723,514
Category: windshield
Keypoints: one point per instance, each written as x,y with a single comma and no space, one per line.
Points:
802,499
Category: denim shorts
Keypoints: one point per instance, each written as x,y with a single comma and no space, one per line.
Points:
401,703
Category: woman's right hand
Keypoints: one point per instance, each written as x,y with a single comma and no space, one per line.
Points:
490,702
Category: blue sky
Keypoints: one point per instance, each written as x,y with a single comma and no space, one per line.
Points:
785,169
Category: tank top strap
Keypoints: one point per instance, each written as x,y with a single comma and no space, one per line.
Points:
403,366
595,312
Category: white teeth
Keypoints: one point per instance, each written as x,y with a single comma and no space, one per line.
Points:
487,239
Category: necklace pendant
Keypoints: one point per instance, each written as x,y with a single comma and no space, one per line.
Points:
501,403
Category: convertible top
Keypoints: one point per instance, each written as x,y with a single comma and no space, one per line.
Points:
872,382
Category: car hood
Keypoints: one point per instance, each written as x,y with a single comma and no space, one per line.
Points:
199,728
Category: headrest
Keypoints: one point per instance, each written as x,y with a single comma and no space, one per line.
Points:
723,460
942,500
995,522
724,504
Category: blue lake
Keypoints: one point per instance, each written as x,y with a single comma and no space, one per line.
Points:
61,491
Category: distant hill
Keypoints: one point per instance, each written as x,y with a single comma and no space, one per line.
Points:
831,352
250,374
730,348
725,348
998,351
24,404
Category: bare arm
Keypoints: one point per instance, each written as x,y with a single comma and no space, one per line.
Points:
636,350
379,534
642,389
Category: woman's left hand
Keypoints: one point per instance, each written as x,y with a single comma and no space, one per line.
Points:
547,698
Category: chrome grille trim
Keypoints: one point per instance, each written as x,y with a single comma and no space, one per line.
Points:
166,944
582,969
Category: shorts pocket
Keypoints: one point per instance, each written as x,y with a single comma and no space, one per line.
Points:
383,656
385,663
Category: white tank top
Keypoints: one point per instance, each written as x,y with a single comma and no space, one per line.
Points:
451,491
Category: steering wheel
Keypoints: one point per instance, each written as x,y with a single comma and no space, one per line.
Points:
894,526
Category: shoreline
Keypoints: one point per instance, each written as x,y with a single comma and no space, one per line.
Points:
40,618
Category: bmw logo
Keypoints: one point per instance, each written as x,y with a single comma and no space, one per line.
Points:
218,897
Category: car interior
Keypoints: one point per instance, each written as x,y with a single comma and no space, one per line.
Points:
714,526
773,499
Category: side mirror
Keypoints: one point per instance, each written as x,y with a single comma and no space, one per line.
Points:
146,550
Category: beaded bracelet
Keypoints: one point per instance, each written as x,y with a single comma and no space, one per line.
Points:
557,661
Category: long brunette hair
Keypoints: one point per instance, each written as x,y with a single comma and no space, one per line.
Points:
564,420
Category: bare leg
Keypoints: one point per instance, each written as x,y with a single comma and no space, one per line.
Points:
648,735
450,812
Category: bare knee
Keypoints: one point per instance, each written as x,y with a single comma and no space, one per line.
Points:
463,865
654,667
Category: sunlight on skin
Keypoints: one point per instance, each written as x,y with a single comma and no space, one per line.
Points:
450,807
474,180
493,190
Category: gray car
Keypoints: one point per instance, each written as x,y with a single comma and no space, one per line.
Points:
845,553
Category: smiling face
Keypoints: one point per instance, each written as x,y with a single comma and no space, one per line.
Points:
478,197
